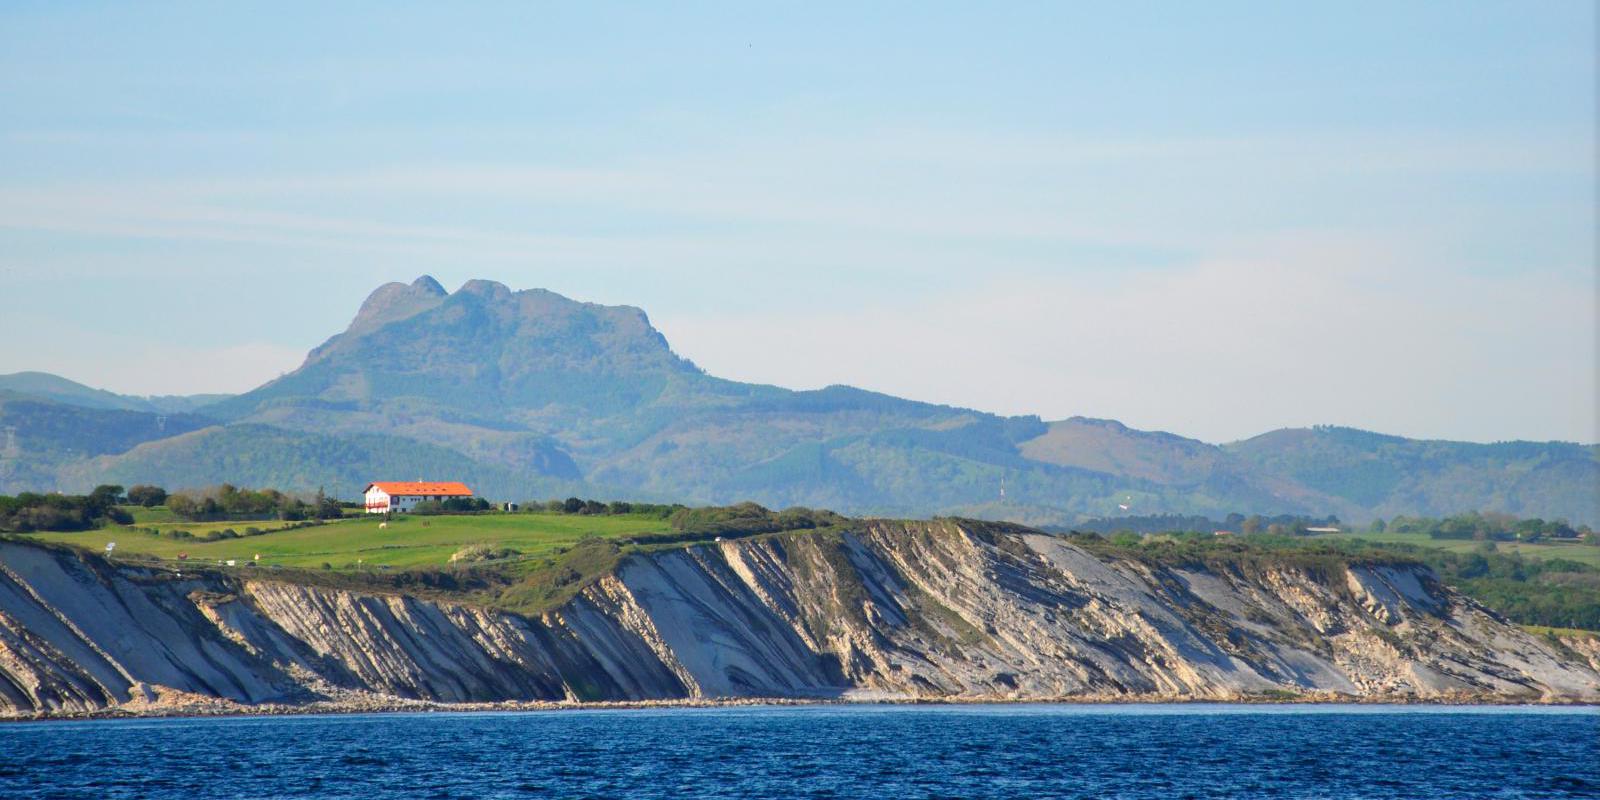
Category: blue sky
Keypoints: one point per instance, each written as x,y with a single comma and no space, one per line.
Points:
1214,219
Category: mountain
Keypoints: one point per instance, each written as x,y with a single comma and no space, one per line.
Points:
534,395
1389,475
39,438
44,386
278,457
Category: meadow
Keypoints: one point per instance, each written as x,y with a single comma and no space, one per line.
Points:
1572,551
358,542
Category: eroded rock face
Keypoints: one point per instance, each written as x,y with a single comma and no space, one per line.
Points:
932,610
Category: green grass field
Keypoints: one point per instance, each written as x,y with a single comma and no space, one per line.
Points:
151,516
1582,553
409,541
202,528
1544,630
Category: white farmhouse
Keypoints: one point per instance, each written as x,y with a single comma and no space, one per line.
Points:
397,496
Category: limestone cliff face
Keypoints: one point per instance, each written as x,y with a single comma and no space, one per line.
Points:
922,609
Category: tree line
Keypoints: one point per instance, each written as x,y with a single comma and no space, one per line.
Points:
1276,525
1487,526
228,502
451,505
32,511
738,519
578,505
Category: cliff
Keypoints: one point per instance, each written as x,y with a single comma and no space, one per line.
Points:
927,610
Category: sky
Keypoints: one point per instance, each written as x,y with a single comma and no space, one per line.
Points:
1215,219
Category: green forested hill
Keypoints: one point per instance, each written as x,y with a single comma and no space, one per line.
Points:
44,386
527,391
267,456
1389,475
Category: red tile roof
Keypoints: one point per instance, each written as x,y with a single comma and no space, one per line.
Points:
408,488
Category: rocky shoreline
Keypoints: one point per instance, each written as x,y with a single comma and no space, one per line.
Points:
186,708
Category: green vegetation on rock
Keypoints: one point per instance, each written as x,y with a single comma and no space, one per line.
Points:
1544,590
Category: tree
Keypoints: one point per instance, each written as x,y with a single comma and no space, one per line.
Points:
183,505
1377,525
326,507
572,505
147,495
329,508
104,496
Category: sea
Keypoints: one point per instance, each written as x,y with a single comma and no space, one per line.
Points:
866,751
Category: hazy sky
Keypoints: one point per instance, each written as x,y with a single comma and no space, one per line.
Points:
1208,218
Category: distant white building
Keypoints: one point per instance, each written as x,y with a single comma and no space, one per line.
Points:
384,497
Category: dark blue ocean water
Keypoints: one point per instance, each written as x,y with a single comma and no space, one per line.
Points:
829,751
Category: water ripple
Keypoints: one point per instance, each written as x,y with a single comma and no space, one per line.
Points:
823,752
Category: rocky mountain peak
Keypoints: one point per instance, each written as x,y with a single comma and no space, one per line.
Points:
486,289
395,301
480,350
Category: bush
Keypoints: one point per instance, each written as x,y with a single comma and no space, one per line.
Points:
749,518
473,553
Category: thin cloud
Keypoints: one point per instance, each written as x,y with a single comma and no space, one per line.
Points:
886,183
1219,351
156,368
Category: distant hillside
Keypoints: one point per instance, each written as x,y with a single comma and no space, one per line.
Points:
1374,474
260,455
532,394
44,386
40,437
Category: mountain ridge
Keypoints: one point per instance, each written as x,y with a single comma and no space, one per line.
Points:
49,386
551,394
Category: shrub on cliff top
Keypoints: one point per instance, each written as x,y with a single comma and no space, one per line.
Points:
482,552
